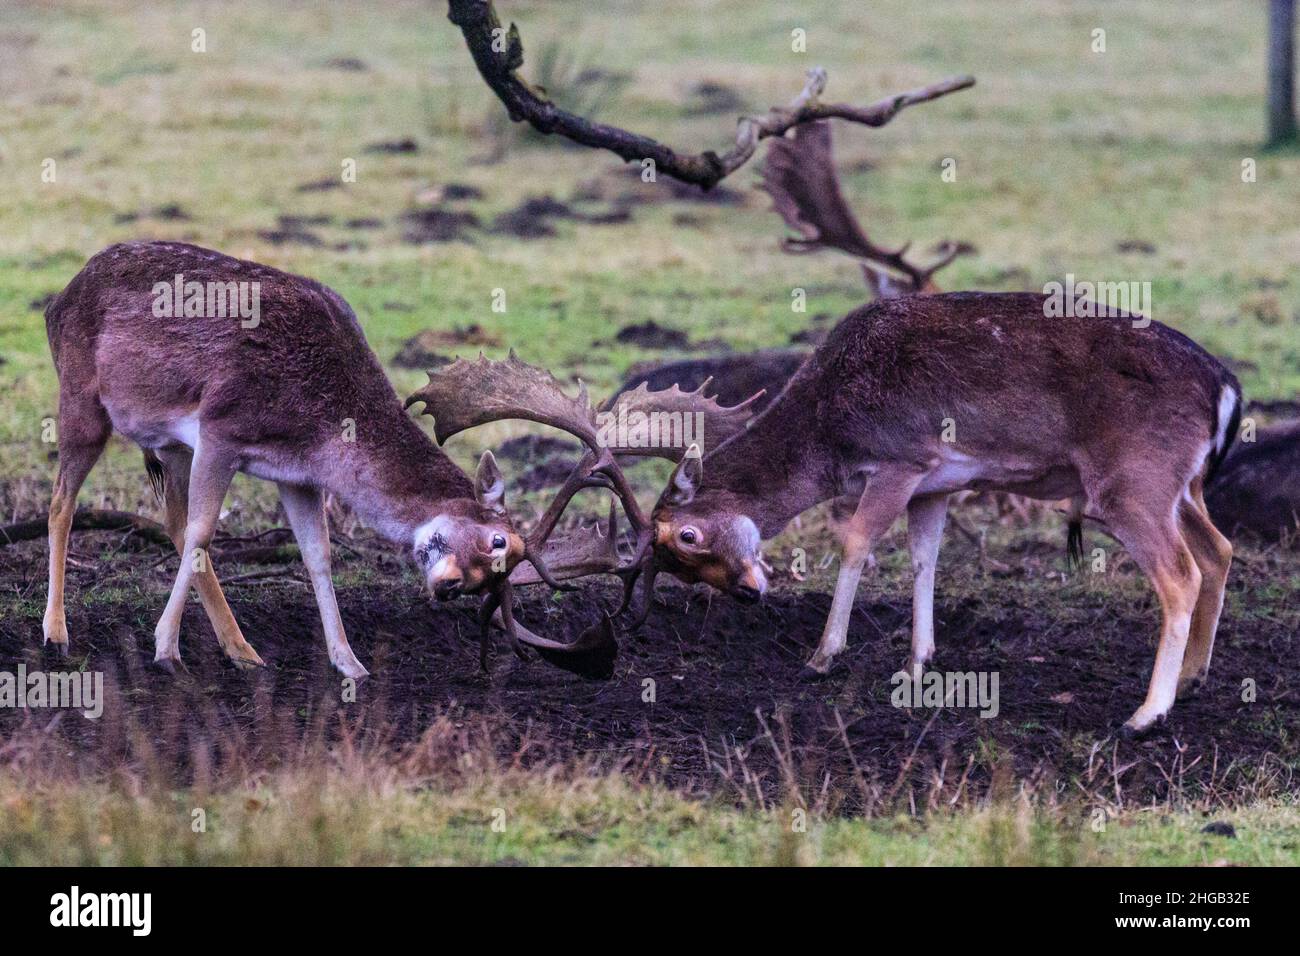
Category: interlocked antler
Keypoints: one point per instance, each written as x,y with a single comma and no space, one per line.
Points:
799,173
465,394
499,53
635,420
576,554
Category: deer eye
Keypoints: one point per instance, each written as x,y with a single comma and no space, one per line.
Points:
498,542
689,535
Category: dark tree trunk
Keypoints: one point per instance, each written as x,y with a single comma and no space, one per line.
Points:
1281,71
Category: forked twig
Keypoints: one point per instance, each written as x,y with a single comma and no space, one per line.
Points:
499,53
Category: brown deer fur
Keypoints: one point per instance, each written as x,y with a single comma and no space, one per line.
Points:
1127,421
209,396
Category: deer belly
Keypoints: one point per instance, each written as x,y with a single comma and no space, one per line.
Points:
958,471
157,429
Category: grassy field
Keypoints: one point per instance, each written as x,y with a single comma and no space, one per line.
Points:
320,819
1121,166
456,796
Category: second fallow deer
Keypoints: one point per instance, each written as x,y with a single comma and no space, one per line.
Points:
914,398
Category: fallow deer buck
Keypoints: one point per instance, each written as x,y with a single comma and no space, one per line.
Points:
206,394
1127,421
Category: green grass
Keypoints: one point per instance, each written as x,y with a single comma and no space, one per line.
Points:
333,818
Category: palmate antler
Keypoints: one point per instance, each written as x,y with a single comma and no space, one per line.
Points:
799,174
467,394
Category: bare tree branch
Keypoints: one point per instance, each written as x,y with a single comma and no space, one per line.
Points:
89,520
499,53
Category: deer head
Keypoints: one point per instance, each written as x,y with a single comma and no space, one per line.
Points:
471,543
699,535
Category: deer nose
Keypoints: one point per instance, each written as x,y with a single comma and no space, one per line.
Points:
745,593
447,588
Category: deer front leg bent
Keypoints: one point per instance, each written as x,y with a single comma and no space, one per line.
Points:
210,476
306,510
883,499
176,465
856,551
925,521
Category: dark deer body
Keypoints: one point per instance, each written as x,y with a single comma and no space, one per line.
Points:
294,396
278,390
914,398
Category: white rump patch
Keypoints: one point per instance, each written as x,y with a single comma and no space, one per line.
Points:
1228,399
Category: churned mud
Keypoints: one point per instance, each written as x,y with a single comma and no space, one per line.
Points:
707,696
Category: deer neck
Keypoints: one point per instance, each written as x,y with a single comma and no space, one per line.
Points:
770,474
394,477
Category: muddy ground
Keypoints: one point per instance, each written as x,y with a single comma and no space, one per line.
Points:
716,666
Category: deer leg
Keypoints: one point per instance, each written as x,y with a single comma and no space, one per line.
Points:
1153,539
884,498
82,437
210,475
1213,554
306,510
925,520
176,483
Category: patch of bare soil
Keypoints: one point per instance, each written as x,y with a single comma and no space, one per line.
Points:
708,694
1136,246
709,97
540,461
347,64
436,224
394,146
624,187
320,185
534,217
169,212
424,349
651,335
1274,407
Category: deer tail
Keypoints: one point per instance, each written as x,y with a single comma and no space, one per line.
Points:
1074,537
157,475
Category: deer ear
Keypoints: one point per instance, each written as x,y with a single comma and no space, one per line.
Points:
687,478
489,486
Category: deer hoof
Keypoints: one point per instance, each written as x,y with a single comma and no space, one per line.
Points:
1130,732
167,665
247,664
348,665
811,675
